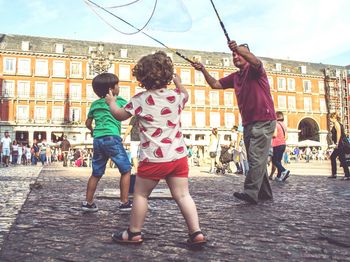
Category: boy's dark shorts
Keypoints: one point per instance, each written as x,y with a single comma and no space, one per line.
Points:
109,147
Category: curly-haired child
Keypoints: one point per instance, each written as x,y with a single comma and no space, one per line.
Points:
163,153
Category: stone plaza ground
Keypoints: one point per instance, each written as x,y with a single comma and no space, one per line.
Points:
308,220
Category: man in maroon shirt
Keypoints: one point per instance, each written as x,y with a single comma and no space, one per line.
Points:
258,116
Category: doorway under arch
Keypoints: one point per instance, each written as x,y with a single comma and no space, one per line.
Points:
309,129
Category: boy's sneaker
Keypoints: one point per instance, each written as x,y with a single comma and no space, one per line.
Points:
85,206
125,206
285,175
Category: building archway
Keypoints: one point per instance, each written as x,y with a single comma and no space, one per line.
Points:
309,130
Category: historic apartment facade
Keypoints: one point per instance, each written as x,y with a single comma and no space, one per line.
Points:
45,90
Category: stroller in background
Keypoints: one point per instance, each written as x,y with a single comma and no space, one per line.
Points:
225,158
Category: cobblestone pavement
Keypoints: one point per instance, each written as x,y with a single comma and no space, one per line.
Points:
14,188
308,220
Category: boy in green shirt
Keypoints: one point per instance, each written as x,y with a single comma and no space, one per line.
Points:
107,142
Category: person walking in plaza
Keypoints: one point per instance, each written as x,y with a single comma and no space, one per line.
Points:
341,145
6,148
14,152
163,153
42,152
65,147
107,142
279,146
258,117
48,154
214,149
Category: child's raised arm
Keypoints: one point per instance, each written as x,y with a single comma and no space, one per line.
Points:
119,113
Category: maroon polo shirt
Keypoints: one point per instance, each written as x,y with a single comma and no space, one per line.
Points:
253,94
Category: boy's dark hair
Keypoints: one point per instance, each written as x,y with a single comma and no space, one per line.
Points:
154,71
103,82
279,116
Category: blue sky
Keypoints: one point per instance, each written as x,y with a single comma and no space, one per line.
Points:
304,30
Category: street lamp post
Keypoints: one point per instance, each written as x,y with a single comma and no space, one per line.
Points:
98,61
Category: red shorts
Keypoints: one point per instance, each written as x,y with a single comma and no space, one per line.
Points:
157,171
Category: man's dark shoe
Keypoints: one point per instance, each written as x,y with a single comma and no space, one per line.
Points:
244,197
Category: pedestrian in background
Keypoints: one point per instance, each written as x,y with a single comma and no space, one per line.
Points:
65,148
279,146
6,148
258,117
214,149
14,152
338,137
107,142
163,153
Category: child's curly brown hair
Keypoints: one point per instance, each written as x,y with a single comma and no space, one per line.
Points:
154,71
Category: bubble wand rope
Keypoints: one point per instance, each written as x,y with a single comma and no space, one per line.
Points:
221,23
151,37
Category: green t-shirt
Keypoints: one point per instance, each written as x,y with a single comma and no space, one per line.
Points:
105,123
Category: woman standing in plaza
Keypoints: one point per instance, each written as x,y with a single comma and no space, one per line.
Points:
341,144
214,149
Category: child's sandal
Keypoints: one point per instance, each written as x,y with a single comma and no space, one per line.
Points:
118,237
192,242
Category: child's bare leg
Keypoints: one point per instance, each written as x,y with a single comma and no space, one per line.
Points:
179,190
124,185
91,188
143,188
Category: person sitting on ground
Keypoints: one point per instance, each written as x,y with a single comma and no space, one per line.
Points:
107,142
163,153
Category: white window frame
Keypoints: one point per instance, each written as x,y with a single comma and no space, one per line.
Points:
291,84
185,75
41,67
75,109
321,87
229,120
200,119
40,90
186,119
42,115
124,92
308,91
199,96
75,91
214,98
323,106
215,119
199,78
291,103
23,89
75,69
281,84
90,94
25,116
8,88
60,117
282,102
123,53
9,65
228,99
124,72
306,108
24,66
59,68
58,90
